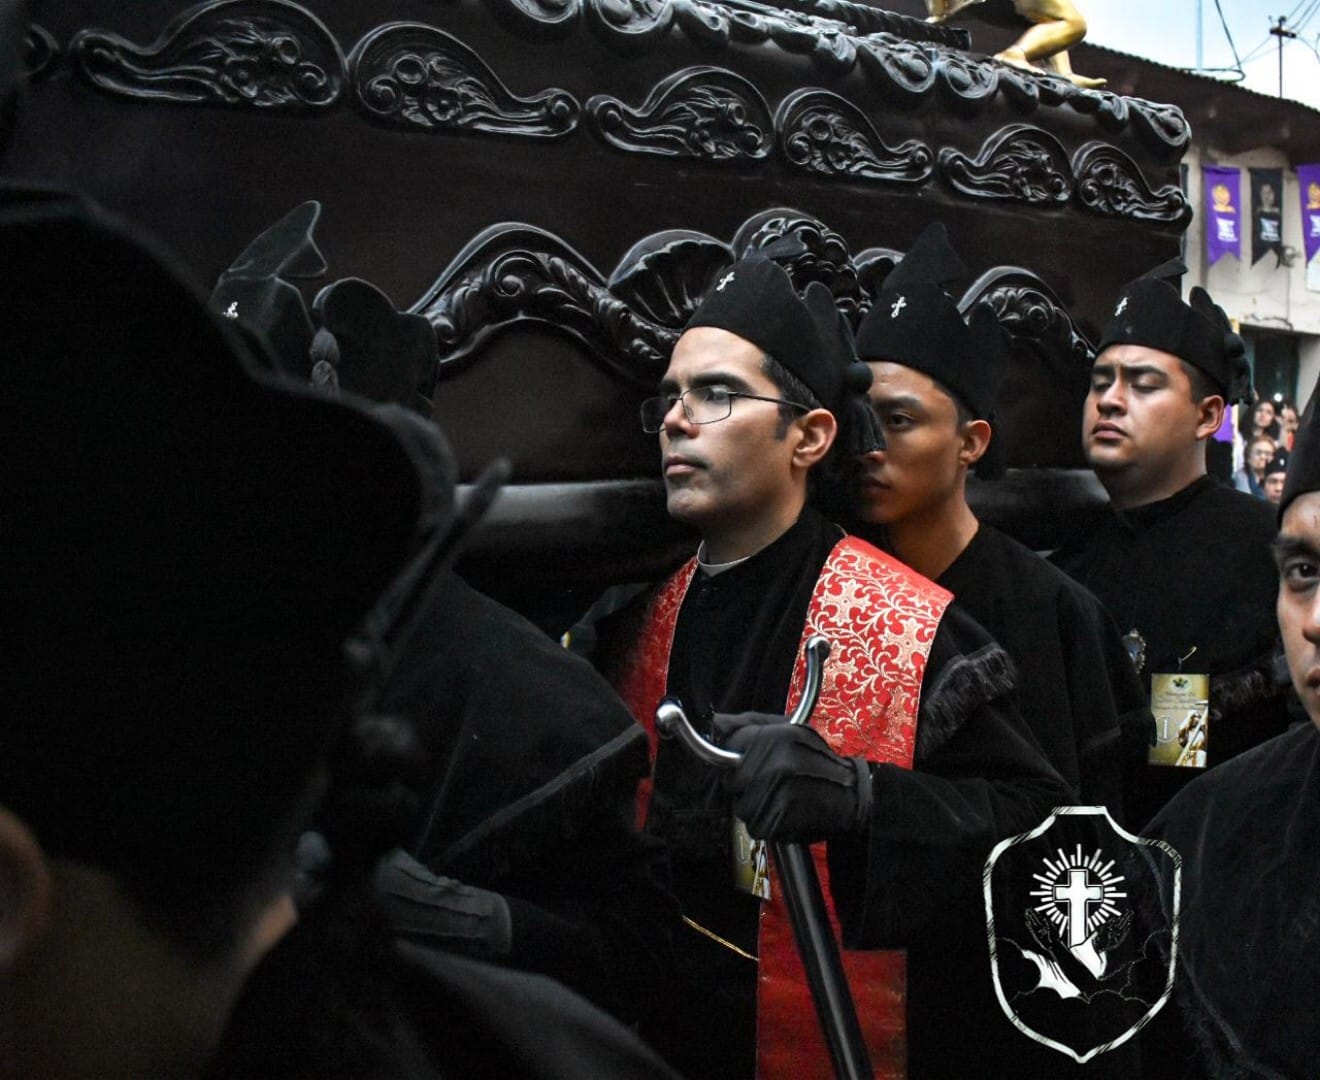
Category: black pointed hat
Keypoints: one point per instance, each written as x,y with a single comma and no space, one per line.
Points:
256,291
915,322
1304,461
755,299
1150,312
367,346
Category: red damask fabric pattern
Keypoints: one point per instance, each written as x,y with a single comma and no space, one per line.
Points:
880,618
642,682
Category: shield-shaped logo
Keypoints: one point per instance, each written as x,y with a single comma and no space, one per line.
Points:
1083,925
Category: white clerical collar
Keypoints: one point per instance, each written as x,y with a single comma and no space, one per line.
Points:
710,569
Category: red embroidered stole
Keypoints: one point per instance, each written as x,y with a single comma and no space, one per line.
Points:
880,618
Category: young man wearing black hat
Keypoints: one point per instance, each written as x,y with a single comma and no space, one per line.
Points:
909,779
934,386
935,378
1180,561
1246,988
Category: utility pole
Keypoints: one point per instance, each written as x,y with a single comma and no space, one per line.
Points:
1279,32
1200,35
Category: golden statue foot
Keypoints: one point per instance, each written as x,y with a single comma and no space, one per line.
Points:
1056,65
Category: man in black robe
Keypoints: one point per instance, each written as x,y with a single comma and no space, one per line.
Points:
206,571
934,385
527,798
755,393
1246,989
1180,560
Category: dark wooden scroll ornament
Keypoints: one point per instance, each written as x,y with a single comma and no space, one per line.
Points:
555,214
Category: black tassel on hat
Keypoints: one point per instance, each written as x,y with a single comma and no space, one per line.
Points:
1150,312
859,427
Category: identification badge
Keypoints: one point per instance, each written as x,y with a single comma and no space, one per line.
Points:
1181,705
750,862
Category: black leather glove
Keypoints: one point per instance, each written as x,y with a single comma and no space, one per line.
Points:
790,786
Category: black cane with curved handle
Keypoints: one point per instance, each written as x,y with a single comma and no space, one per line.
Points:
802,892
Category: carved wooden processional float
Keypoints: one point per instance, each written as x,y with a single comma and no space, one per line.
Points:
553,185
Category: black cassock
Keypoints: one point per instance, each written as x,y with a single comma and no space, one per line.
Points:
415,1013
913,882
1192,572
1077,689
1246,989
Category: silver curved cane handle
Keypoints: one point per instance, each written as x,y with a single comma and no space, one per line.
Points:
670,719
818,651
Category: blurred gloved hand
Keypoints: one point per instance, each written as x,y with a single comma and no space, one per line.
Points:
428,909
790,786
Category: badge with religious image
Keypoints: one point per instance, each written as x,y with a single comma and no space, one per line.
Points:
751,866
1180,703
1082,918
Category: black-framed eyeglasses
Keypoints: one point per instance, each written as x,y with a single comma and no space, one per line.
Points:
701,405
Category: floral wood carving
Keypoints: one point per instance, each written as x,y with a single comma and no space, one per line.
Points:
704,113
1019,162
826,257
414,76
1111,183
1029,310
969,83
516,273
629,25
903,71
632,23
40,52
264,54
1161,125
275,53
822,133
537,20
513,273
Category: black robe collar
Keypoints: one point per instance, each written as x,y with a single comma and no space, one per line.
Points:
1139,519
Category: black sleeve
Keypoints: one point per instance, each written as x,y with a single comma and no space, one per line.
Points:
979,776
1111,716
531,793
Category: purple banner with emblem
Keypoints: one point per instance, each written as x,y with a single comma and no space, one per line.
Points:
1308,180
1223,212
